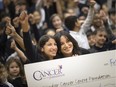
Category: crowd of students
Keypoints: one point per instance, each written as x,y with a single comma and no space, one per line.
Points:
41,30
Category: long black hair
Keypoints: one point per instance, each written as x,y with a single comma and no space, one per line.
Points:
76,49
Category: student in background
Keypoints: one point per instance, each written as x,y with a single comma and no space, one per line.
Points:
78,29
57,24
91,37
3,77
102,42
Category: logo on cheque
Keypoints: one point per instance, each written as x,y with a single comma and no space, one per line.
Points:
47,74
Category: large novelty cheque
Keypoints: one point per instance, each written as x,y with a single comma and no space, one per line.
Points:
92,70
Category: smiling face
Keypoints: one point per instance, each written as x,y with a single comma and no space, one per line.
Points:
101,37
66,46
56,21
50,48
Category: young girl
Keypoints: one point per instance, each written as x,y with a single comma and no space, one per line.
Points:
15,72
57,24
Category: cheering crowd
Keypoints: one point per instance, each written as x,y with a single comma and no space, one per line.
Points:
41,30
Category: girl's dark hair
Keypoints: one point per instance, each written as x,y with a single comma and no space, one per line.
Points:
76,49
18,62
42,42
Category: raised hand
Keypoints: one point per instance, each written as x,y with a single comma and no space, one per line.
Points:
92,3
13,45
24,21
16,22
10,30
31,18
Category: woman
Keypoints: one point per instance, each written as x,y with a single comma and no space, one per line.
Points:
66,44
47,47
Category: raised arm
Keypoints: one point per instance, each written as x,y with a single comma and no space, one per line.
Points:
31,51
19,52
87,23
10,30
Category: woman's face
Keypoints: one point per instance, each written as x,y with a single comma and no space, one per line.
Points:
57,23
50,48
14,69
66,46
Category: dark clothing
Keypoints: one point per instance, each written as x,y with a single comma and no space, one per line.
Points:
98,49
3,85
37,32
84,51
32,52
18,82
5,50
108,46
49,12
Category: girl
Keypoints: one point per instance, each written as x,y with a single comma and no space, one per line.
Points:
57,23
15,72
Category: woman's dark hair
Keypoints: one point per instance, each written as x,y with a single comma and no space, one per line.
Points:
42,42
76,49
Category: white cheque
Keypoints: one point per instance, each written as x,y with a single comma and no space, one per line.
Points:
92,70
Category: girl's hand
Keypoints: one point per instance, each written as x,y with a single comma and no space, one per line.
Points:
13,45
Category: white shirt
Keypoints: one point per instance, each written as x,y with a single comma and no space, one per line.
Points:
81,36
81,39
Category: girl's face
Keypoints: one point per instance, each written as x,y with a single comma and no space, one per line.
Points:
50,48
101,37
14,69
57,23
66,46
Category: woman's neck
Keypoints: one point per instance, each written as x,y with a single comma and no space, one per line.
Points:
68,55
